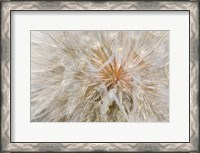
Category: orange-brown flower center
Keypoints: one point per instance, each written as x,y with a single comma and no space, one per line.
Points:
112,74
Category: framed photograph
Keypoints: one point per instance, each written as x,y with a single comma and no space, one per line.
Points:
100,76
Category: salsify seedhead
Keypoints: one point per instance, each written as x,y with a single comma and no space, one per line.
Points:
100,76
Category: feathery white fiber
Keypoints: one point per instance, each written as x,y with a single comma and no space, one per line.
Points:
100,76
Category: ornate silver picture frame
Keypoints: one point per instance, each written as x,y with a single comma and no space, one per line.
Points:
9,130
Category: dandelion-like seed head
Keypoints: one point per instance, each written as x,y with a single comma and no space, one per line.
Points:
99,76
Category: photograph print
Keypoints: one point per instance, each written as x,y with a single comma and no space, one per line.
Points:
99,76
